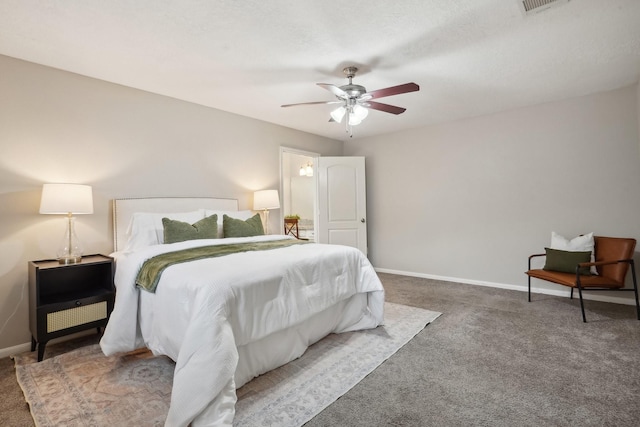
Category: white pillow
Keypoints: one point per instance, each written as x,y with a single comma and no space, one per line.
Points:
243,215
582,243
145,229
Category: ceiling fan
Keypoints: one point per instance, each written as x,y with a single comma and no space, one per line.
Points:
355,102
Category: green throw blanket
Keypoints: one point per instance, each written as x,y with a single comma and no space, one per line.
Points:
149,275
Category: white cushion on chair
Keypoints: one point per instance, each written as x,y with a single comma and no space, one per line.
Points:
577,244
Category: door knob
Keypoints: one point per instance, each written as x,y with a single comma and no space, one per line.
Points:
362,220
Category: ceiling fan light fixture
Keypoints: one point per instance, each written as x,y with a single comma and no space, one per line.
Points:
354,120
357,114
360,112
338,114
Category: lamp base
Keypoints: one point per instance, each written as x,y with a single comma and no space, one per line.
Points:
266,221
70,259
70,251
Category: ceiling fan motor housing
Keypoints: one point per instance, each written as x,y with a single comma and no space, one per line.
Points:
353,91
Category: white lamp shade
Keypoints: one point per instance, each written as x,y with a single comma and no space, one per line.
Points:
66,198
266,199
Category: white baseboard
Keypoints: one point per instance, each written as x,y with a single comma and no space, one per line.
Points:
16,349
563,292
21,348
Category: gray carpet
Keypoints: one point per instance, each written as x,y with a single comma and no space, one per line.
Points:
491,359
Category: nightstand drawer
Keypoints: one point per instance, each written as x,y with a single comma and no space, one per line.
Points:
63,319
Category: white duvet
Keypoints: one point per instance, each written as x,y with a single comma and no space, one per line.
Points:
225,320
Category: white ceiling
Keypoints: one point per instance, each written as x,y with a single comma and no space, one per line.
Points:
470,57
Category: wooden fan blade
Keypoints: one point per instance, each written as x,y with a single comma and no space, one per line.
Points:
334,90
312,103
384,107
394,90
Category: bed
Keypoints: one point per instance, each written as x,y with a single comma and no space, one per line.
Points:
226,319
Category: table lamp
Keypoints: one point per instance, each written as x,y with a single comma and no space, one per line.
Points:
265,200
67,199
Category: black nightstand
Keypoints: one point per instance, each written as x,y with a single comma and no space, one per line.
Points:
64,299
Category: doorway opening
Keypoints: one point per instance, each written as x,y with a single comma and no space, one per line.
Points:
298,189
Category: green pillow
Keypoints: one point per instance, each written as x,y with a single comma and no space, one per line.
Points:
566,261
178,231
233,227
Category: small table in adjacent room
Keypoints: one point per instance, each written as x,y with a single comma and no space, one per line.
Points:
291,227
64,299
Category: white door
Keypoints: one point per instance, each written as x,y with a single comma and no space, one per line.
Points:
342,203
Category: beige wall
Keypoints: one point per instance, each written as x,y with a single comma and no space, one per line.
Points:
638,112
61,127
470,200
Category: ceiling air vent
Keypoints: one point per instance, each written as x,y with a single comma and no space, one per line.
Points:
529,7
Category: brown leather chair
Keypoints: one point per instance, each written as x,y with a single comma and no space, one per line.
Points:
613,256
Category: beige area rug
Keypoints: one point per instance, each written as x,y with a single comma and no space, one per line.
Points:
85,388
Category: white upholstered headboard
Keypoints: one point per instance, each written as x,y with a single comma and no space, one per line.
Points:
123,210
